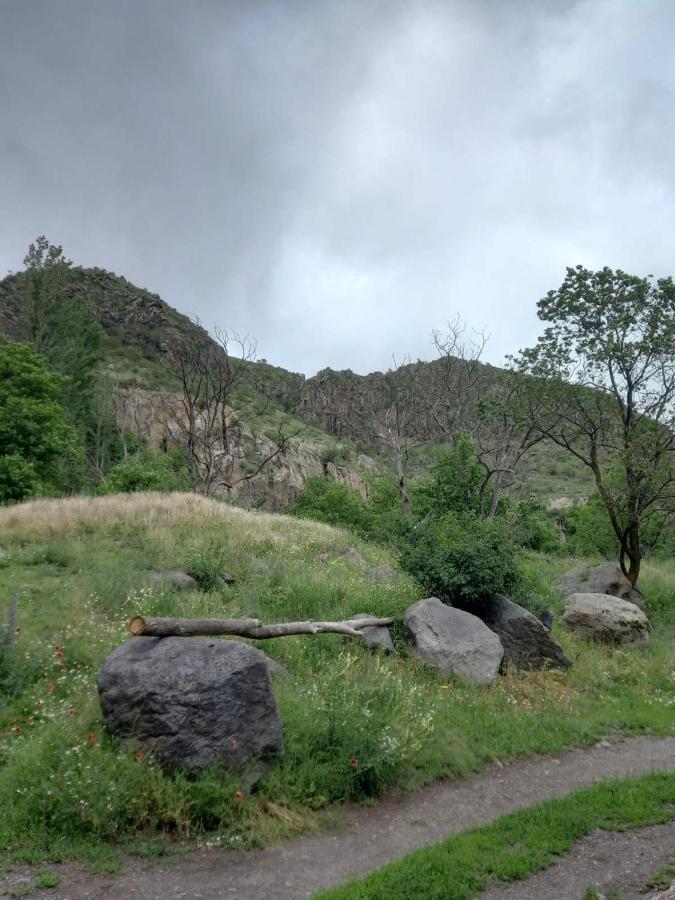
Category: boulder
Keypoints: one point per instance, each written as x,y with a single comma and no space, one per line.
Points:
453,641
602,617
527,642
192,702
377,637
606,578
174,576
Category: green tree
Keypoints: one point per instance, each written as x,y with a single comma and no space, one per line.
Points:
60,323
34,435
603,387
455,483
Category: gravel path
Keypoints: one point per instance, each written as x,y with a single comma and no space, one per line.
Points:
371,836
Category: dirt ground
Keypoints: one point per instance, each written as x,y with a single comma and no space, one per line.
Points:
607,861
369,837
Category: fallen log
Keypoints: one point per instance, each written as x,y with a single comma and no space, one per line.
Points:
152,626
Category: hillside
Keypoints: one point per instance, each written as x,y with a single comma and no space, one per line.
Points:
334,409
354,722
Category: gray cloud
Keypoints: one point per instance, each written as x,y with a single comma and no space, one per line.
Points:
340,178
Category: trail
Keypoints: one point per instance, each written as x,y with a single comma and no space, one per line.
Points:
369,837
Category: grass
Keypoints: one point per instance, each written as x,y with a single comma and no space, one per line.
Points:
82,568
515,845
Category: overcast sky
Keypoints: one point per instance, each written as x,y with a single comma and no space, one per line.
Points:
338,178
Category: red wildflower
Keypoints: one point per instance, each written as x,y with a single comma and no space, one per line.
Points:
138,756
354,762
239,796
17,729
72,710
91,737
61,666
58,650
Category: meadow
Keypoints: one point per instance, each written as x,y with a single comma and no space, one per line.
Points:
355,723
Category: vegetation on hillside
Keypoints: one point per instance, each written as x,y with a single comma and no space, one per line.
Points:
354,722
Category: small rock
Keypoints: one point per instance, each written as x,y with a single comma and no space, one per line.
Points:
227,579
378,637
174,576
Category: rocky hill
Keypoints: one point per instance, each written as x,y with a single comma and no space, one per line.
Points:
338,409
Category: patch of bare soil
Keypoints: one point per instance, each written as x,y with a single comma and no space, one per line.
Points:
614,864
369,837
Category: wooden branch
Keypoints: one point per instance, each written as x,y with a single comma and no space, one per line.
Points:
151,626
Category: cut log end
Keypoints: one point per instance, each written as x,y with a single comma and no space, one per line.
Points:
137,626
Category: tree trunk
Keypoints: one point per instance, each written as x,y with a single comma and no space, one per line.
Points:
151,626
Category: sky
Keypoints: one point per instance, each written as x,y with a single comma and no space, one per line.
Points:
337,178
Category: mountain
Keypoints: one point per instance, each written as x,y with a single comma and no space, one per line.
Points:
336,409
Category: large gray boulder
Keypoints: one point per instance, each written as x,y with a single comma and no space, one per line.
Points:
527,643
601,617
376,637
605,578
192,702
452,641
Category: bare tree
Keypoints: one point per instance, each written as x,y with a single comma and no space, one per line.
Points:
504,431
203,419
449,388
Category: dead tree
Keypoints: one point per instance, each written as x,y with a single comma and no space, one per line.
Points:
147,626
203,419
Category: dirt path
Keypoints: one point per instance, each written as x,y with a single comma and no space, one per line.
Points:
605,860
371,836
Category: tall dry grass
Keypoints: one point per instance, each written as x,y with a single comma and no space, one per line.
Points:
49,518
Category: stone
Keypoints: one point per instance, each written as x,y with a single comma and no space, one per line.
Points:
192,702
452,641
527,642
353,556
605,578
602,617
227,579
180,579
377,637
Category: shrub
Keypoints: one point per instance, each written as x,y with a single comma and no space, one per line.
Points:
148,472
336,504
463,558
531,527
453,484
34,435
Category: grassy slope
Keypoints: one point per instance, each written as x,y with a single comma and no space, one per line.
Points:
82,567
516,845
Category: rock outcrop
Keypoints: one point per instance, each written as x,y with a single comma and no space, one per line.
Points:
602,617
192,702
452,641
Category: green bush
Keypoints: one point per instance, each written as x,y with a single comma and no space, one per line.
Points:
453,484
148,472
35,438
463,558
531,527
336,504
